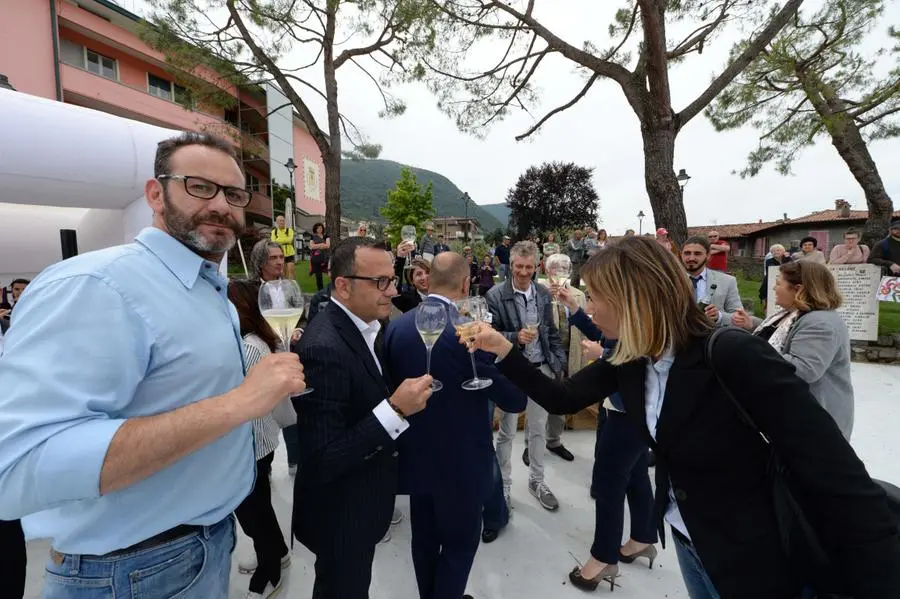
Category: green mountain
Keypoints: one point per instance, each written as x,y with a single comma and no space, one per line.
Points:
499,211
365,184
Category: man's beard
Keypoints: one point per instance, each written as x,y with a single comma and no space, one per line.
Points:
184,228
695,270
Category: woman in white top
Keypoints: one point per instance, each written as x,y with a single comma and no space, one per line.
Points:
255,514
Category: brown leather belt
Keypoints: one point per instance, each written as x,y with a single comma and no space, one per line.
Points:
182,530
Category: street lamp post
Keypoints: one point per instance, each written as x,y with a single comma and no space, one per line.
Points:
683,179
291,167
640,216
466,199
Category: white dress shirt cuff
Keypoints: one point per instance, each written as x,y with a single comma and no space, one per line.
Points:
390,420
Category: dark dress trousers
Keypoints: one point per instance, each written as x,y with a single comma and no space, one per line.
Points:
446,455
347,471
716,465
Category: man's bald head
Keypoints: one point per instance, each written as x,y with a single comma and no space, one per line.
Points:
449,275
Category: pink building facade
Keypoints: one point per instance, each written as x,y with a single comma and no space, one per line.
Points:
89,54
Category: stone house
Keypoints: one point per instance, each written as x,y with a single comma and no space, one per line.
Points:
753,240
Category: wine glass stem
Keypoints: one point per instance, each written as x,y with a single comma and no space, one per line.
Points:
428,361
286,339
474,370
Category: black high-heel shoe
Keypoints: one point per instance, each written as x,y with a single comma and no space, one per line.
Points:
609,573
649,552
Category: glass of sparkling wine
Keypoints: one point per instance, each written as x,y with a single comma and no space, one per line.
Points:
468,314
408,235
281,304
559,270
532,322
430,322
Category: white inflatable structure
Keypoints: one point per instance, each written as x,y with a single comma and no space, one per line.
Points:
67,167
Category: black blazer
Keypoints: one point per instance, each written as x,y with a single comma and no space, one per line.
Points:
717,466
448,448
347,471
407,297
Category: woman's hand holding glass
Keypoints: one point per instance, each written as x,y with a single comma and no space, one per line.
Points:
484,337
591,350
742,319
563,293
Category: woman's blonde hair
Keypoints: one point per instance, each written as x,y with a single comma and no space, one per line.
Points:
818,289
651,294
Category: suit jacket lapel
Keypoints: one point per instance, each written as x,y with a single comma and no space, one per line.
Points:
686,388
353,337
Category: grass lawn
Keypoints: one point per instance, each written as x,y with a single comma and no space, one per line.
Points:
888,317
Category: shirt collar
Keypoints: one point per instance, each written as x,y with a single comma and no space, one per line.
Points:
665,362
528,293
364,327
701,276
446,300
183,262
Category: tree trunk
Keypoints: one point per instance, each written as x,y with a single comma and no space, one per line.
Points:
850,145
659,178
852,148
332,160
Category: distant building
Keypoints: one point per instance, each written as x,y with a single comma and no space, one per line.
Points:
454,228
827,226
88,53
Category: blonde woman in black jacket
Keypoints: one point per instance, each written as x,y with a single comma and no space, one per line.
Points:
712,479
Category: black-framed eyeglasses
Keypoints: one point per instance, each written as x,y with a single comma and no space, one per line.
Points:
207,190
382,283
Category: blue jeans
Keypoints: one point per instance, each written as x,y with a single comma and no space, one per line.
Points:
197,566
496,512
697,581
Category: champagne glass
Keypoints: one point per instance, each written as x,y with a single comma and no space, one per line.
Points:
431,319
532,322
281,304
559,269
408,235
465,319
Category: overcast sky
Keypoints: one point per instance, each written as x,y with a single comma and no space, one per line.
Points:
602,132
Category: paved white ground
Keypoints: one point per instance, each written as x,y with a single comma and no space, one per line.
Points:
534,554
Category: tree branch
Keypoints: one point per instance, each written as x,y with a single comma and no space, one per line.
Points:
300,106
698,37
378,44
559,109
604,68
734,69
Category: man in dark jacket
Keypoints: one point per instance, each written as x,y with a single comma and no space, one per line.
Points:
348,426
886,252
447,480
513,305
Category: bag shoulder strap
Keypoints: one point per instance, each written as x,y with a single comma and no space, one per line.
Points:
788,511
710,346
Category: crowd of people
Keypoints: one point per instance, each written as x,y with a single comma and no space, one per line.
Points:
145,394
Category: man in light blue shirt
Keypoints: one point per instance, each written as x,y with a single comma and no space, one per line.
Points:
124,432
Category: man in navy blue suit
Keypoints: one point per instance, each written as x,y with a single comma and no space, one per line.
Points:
446,454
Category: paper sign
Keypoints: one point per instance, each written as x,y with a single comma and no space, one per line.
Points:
860,284
889,290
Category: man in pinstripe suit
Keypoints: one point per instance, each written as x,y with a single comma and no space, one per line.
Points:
347,476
